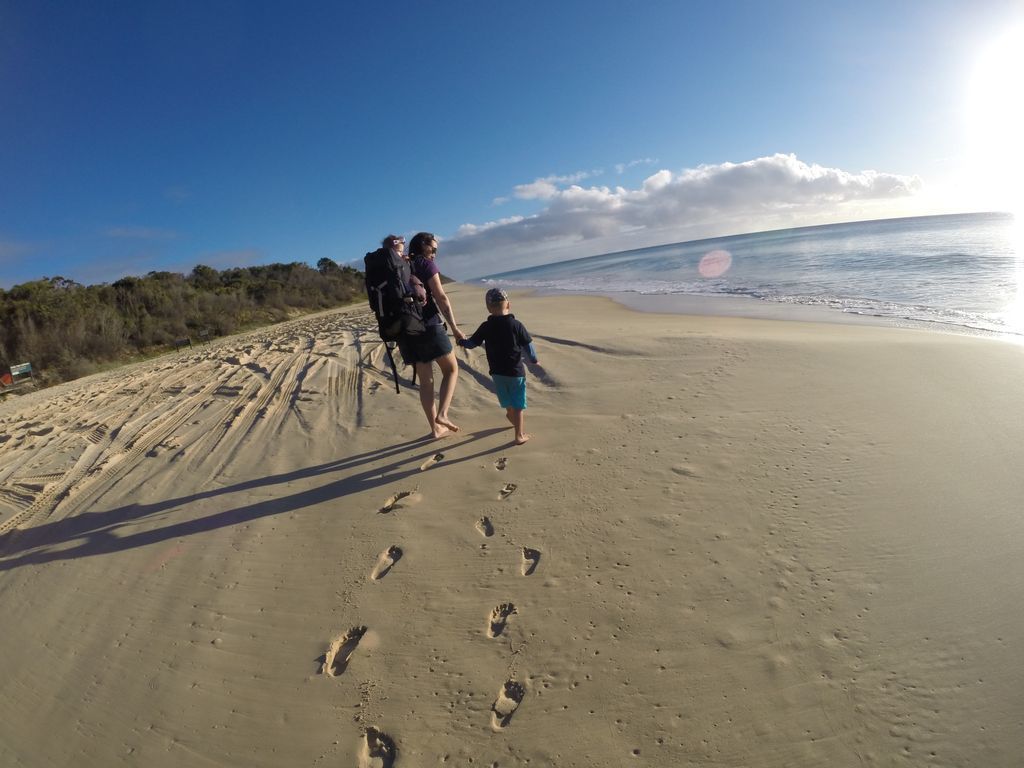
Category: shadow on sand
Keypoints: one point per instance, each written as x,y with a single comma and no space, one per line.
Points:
98,530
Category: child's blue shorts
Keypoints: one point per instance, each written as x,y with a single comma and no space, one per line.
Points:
511,391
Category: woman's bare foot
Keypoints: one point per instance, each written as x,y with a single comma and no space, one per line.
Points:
520,439
443,421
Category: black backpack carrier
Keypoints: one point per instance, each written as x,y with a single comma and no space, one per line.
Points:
391,291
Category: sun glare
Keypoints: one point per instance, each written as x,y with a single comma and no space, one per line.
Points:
1013,314
995,114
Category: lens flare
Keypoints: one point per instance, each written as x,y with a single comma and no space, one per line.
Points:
714,263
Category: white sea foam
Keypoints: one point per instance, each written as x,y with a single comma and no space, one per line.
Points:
958,271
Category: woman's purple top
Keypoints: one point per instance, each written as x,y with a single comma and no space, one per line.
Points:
424,269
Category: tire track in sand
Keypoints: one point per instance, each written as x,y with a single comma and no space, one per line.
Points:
102,464
268,403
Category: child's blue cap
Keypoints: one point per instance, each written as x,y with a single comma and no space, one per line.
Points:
496,296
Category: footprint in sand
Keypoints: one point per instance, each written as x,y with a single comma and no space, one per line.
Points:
378,750
531,558
392,502
507,490
484,526
499,618
387,559
509,698
340,650
501,463
431,461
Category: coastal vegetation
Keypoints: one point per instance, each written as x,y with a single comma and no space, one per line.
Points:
67,330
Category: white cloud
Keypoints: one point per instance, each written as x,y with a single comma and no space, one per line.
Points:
658,181
467,230
709,200
18,262
621,168
177,194
11,251
547,187
140,233
541,189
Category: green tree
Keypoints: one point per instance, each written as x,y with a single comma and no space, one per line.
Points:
66,329
328,266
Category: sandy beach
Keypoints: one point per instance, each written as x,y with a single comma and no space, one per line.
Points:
730,542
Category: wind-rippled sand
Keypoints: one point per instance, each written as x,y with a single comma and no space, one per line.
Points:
729,542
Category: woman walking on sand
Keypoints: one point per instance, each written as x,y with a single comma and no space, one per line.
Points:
432,346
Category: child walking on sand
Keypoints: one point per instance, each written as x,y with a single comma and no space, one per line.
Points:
505,339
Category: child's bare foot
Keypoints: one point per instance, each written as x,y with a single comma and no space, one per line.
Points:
520,439
443,421
440,431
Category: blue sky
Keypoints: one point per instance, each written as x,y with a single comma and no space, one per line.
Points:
151,136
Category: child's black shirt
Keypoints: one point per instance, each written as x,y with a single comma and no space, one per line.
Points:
505,340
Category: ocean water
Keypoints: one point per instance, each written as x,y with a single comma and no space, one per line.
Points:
962,272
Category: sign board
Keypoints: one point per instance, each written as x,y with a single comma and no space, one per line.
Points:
23,368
